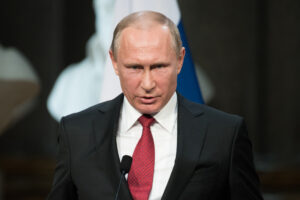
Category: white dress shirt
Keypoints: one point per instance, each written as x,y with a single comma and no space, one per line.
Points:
164,132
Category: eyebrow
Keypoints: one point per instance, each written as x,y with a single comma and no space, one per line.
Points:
153,65
160,64
133,65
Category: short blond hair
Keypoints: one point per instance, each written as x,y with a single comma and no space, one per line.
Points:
139,19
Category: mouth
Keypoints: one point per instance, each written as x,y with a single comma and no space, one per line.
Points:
148,99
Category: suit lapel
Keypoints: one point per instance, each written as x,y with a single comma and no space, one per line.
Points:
105,130
191,136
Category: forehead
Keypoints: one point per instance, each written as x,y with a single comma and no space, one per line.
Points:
149,37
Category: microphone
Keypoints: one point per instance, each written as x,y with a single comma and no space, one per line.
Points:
125,164
124,168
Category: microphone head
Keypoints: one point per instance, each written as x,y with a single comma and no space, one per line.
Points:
125,164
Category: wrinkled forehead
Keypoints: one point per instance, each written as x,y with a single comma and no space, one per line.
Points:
154,31
150,35
142,39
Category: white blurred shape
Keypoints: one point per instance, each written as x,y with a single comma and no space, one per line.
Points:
19,84
77,87
206,86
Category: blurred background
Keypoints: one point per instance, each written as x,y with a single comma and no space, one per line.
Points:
249,50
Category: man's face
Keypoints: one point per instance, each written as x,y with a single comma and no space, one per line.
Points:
147,66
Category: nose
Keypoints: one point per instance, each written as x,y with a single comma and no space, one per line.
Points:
148,83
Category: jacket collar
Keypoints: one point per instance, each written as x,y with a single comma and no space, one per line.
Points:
109,114
191,136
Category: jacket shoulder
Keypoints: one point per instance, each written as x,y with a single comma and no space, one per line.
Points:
89,113
211,114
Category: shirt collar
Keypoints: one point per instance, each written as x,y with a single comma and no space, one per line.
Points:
168,114
166,117
129,115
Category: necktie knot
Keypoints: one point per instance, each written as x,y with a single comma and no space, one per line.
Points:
146,120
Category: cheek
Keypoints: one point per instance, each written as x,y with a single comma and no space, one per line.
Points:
129,82
167,81
168,75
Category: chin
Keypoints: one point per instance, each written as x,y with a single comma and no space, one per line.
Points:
150,110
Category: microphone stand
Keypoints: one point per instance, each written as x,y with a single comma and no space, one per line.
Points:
124,168
122,176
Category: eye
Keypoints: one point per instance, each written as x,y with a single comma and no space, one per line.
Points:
134,67
158,66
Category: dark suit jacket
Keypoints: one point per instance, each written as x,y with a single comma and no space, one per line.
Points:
214,156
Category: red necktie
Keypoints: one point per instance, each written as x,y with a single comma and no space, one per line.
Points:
140,176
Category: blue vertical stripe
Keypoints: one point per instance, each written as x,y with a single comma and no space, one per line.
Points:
187,82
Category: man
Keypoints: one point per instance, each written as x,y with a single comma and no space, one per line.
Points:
180,149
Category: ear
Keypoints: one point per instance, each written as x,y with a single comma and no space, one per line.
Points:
180,59
114,62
